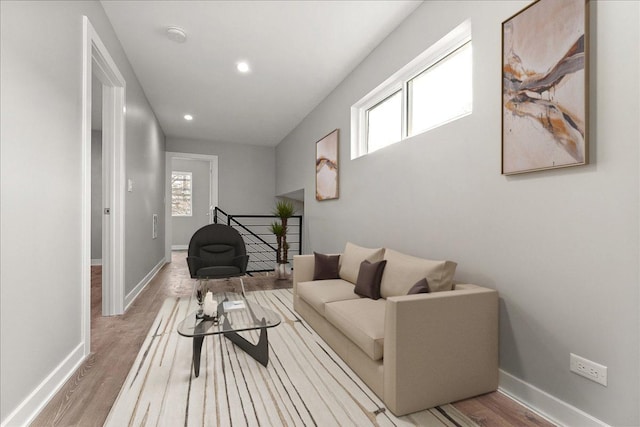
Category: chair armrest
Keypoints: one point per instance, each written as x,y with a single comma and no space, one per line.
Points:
303,266
241,261
440,347
194,263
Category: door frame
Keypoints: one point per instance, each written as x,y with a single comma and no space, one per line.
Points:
213,193
96,59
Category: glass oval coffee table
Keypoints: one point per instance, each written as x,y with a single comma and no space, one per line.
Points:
235,314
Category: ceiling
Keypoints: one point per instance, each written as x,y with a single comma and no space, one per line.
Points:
298,51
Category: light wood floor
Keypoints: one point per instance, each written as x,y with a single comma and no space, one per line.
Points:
85,400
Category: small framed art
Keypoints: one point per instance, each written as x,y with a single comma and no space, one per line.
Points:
327,177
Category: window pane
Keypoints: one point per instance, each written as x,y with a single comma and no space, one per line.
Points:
384,123
181,193
441,93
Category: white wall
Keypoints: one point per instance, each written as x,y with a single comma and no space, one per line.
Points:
246,174
560,246
41,175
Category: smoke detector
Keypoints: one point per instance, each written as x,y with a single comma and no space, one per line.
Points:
176,34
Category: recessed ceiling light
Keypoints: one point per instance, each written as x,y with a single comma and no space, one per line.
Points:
176,34
243,67
188,117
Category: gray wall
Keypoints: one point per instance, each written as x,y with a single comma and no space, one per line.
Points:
41,175
560,246
183,227
145,156
246,173
96,194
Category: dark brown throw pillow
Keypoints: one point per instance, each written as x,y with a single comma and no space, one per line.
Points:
421,287
369,278
326,266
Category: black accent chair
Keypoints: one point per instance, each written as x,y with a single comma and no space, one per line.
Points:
217,251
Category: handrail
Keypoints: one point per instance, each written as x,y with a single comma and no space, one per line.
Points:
231,218
215,214
262,253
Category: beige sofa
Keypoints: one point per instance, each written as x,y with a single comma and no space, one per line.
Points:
414,351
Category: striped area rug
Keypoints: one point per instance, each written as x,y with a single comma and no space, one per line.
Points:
305,383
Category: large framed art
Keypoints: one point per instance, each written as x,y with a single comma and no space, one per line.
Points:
327,187
545,87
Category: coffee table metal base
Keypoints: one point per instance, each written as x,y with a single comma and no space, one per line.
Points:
259,351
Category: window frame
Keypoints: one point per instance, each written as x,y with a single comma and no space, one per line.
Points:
190,214
383,100
450,43
409,105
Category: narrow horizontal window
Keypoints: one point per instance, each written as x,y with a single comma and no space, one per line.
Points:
181,193
433,89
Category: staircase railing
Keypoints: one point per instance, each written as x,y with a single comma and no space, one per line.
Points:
260,242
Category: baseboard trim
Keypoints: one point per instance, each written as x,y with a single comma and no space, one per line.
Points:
131,296
30,407
179,247
96,261
555,410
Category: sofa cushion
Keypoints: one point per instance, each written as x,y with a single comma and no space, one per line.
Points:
369,277
318,293
421,287
352,258
403,271
362,321
326,266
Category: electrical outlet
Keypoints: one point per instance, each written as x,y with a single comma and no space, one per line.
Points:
588,369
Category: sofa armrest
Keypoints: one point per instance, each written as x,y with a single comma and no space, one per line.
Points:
303,266
440,347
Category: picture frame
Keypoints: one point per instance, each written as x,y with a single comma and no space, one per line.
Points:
545,87
327,169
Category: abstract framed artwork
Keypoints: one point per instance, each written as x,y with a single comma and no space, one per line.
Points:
327,167
545,87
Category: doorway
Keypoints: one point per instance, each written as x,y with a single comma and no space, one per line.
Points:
192,195
100,70
191,199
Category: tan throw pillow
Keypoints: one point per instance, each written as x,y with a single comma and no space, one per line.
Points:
352,258
403,271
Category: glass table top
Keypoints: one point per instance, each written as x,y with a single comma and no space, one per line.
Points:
235,314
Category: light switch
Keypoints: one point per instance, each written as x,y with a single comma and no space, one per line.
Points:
129,185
